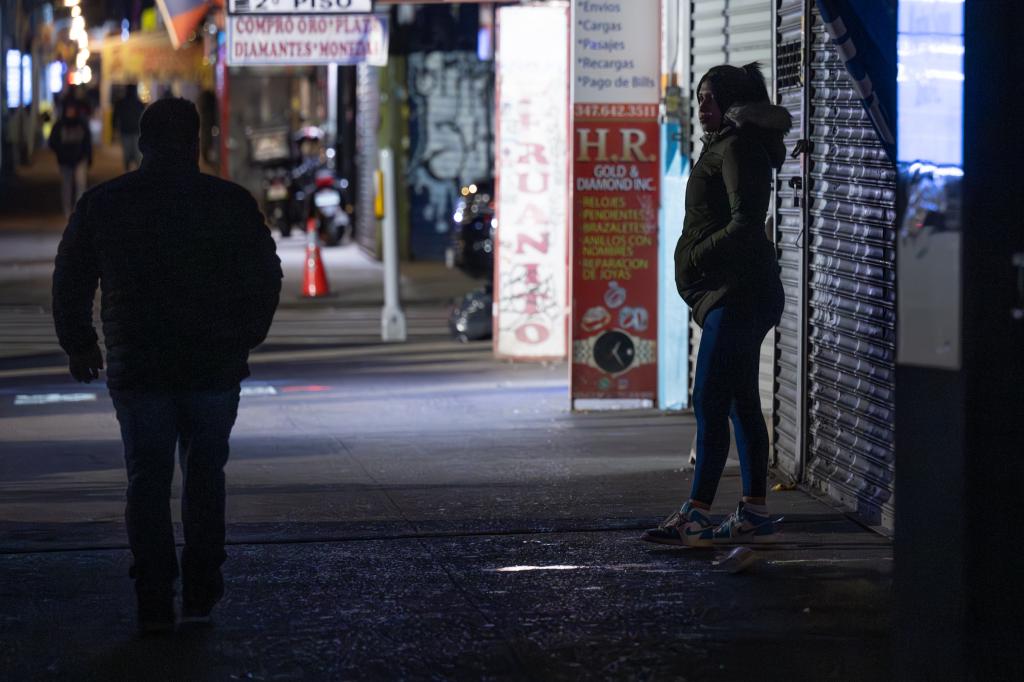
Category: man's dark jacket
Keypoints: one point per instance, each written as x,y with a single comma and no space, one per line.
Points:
723,254
189,275
71,141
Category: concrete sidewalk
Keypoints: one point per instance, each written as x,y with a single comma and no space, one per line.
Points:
424,512
30,202
408,511
349,314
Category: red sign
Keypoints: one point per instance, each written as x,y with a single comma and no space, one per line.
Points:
615,256
616,173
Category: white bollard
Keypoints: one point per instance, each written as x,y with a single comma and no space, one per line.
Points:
392,321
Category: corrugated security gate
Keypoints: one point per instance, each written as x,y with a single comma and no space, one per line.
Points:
733,32
851,323
790,206
835,347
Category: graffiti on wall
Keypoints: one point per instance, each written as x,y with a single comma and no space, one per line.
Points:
451,109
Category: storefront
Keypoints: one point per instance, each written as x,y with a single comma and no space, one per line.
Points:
836,215
149,61
733,32
828,371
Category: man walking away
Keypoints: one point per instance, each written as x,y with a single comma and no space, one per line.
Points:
190,280
127,113
71,140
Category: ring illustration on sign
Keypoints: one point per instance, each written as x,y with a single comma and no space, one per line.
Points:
635,319
595,319
615,296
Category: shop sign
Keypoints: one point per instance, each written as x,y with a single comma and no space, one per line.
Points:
300,6
532,176
302,40
151,55
615,182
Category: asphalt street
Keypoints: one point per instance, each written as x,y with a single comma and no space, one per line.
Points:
408,511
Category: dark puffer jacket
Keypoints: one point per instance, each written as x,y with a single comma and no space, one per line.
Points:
189,271
723,254
71,141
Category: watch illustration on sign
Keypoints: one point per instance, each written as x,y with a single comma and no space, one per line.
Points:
615,351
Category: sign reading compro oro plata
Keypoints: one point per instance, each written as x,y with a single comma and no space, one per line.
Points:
299,6
307,40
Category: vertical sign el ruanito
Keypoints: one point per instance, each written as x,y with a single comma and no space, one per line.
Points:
616,171
532,133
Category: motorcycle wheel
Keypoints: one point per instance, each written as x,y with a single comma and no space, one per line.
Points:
330,234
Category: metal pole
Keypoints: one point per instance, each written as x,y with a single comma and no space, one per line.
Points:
392,321
332,113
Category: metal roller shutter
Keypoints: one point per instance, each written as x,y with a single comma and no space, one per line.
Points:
749,38
707,49
729,32
851,306
790,208
726,32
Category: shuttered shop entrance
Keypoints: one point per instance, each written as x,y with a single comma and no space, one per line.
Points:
790,207
729,32
851,295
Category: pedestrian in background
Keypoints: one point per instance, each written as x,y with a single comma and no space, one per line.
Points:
728,273
190,281
71,140
127,113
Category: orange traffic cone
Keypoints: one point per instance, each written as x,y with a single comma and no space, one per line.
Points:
314,277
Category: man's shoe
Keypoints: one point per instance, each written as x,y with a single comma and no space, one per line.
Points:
202,587
744,526
194,615
688,527
157,617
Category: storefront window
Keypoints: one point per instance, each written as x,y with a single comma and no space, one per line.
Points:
930,78
13,79
26,79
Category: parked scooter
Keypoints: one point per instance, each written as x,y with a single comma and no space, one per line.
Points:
317,192
330,209
471,250
275,199
271,150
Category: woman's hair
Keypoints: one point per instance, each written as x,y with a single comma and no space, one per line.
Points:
735,84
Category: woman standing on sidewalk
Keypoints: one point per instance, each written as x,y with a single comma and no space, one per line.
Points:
71,140
727,272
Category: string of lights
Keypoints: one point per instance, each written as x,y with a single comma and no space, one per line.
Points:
80,73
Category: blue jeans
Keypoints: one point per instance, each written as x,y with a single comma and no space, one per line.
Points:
130,150
726,386
199,423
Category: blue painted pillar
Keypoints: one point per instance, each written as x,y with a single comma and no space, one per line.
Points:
673,315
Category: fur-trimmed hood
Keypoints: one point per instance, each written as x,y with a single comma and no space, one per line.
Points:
764,121
763,115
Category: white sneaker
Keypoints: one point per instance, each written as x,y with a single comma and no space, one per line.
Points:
688,527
